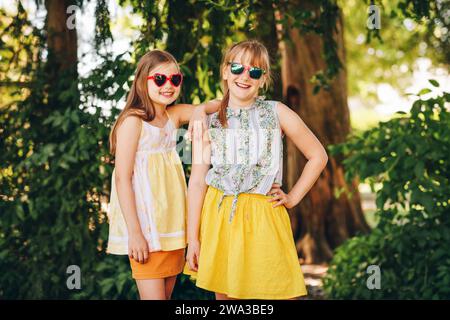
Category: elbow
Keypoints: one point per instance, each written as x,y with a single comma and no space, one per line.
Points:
320,158
324,159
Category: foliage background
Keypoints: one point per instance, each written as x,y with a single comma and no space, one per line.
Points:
55,166
409,156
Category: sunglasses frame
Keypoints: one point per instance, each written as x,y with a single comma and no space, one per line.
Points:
249,68
168,78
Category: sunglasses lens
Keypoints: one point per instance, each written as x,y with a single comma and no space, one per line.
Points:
237,68
160,79
176,79
255,73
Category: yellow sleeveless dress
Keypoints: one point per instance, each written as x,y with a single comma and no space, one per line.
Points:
160,190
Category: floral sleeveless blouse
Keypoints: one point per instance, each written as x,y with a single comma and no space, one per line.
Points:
246,157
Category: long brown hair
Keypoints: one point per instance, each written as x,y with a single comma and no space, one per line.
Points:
138,102
259,57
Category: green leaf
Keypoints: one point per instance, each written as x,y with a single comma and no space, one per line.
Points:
20,212
419,169
316,89
434,82
424,91
107,285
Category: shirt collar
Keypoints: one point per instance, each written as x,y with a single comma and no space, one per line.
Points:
237,112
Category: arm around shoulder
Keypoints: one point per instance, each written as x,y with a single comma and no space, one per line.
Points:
185,113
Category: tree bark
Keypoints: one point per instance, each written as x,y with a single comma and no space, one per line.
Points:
61,67
320,222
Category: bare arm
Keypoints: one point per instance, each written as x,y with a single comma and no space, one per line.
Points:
127,142
184,112
303,138
201,157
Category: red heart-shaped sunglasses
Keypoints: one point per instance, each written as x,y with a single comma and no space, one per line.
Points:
160,79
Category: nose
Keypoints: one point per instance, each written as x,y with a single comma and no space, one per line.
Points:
245,74
167,85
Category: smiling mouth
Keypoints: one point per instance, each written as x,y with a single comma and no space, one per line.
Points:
167,94
241,85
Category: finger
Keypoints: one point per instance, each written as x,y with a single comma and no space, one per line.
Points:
275,198
196,262
276,185
274,191
204,124
146,254
135,256
279,203
191,263
141,256
200,130
197,130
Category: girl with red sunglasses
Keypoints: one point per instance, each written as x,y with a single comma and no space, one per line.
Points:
147,208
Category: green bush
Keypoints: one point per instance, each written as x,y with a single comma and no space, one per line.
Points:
55,172
53,182
410,156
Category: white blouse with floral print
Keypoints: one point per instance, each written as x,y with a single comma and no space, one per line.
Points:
246,157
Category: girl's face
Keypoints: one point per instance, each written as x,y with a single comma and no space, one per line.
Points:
168,92
242,87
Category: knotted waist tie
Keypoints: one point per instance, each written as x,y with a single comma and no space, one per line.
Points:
233,204
244,202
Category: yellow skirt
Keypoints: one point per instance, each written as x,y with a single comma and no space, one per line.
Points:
254,256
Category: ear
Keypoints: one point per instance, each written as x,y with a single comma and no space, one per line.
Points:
225,73
263,82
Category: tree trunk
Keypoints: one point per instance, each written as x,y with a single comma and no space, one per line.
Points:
61,68
320,222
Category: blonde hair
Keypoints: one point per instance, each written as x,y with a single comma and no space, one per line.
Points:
138,102
259,57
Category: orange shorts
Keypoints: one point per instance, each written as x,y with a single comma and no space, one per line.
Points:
160,264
